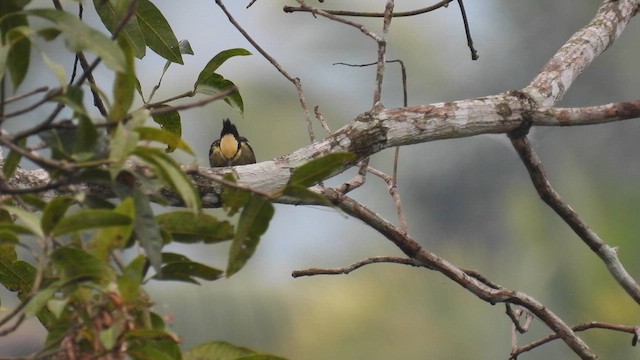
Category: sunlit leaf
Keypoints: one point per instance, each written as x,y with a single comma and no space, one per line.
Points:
254,221
319,169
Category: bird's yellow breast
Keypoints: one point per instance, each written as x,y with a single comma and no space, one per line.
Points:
229,146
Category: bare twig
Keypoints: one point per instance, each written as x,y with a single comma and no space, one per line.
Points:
445,3
395,195
467,32
27,94
357,265
586,115
607,254
577,328
479,288
294,80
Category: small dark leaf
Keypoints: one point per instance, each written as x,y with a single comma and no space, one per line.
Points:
86,139
319,169
169,121
254,221
185,226
188,271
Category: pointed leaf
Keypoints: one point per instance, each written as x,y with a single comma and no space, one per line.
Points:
253,222
80,37
76,263
19,46
185,226
124,85
30,220
163,136
157,31
146,229
111,16
218,60
90,219
319,169
306,195
54,211
170,121
214,84
114,237
130,281
13,160
217,350
169,171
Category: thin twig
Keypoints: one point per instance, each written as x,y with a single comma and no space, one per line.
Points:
294,80
577,328
607,254
27,94
467,32
357,265
444,3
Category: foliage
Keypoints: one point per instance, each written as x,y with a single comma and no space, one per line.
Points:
73,277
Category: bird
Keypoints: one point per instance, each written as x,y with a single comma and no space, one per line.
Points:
231,149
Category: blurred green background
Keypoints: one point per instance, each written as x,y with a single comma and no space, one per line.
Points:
468,200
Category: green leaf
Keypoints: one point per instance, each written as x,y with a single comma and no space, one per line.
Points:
171,139
4,54
254,221
39,301
209,82
217,350
123,142
319,169
162,349
170,122
112,15
77,264
72,97
233,199
15,275
304,194
90,219
147,230
124,85
217,60
80,37
157,32
170,172
13,160
54,211
86,139
216,83
185,226
114,237
183,269
185,48
130,281
19,48
30,220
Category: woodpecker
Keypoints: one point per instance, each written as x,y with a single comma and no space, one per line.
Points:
231,149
